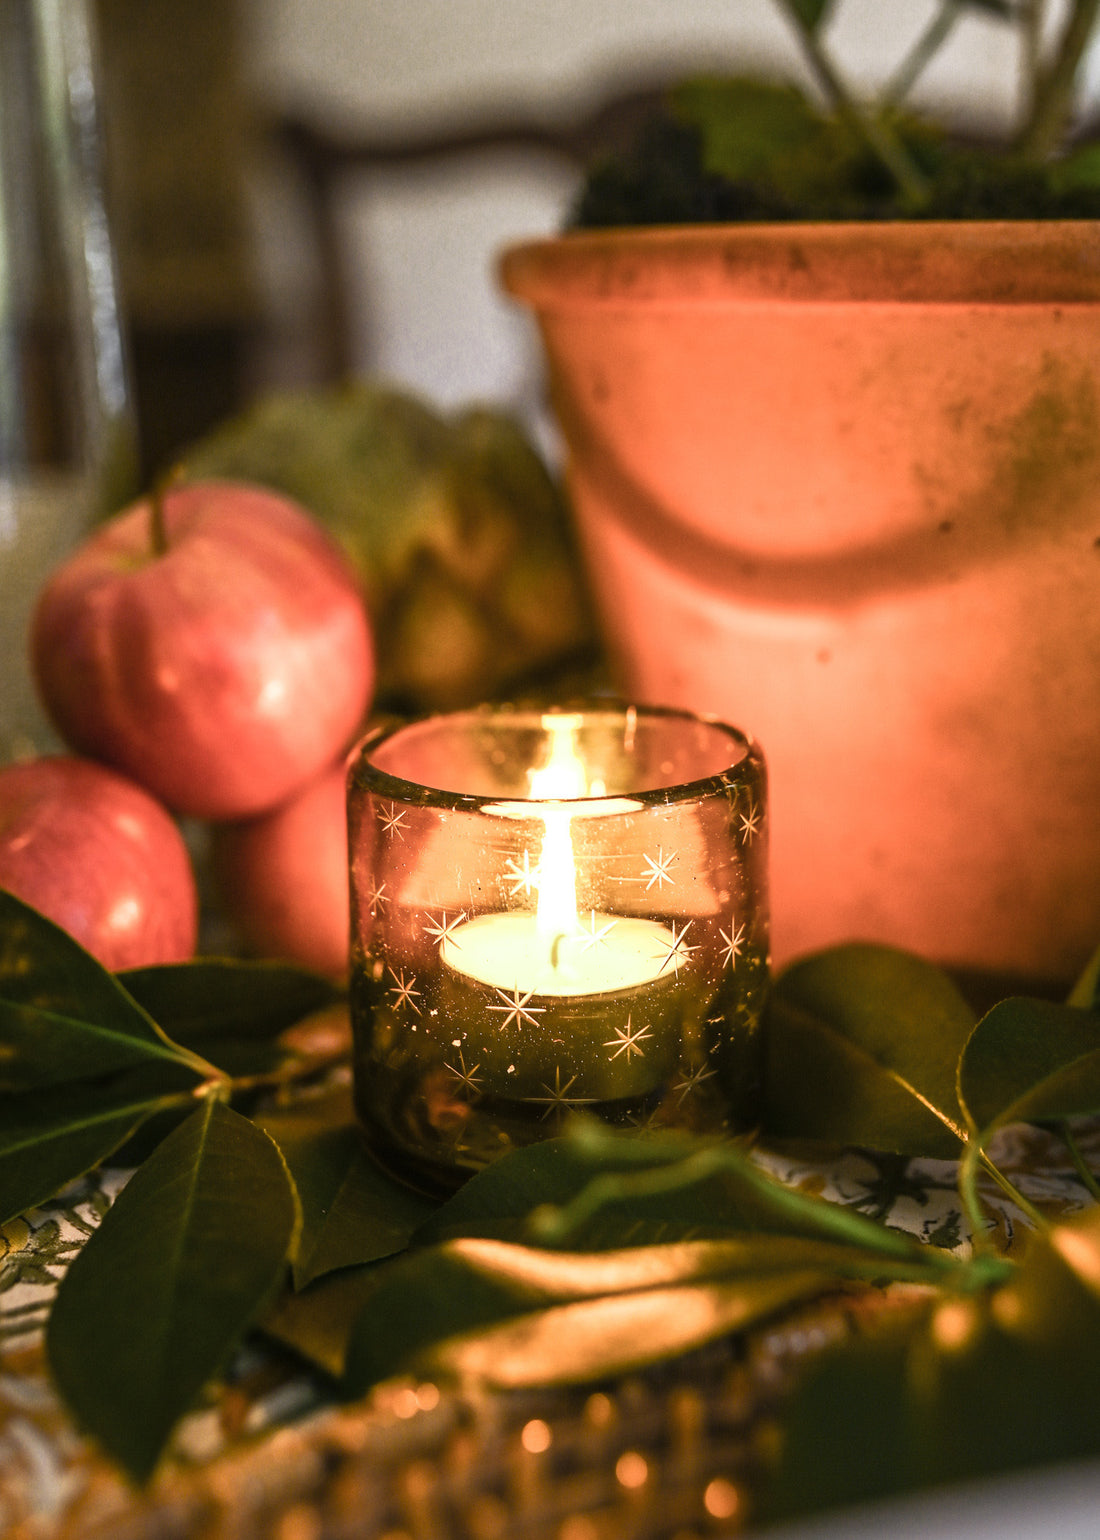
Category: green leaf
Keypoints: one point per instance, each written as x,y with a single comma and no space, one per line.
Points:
352,1212
506,1314
753,131
215,998
1026,1061
49,1138
967,1387
862,1047
598,1189
1086,992
499,1200
317,1322
430,1297
183,1262
1029,1061
63,1017
594,1339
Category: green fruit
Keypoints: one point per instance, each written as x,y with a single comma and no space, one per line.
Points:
462,539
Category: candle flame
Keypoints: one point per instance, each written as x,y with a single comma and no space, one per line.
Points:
562,776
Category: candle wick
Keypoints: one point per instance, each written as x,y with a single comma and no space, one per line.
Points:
555,948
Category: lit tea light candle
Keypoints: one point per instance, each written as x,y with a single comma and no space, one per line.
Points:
543,966
552,951
569,927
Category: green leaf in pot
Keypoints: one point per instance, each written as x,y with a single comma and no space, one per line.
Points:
183,1262
862,1047
460,536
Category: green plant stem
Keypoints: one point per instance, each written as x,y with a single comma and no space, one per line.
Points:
926,47
1053,98
1079,1163
875,133
974,1156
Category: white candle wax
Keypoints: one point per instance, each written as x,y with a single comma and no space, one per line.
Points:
606,954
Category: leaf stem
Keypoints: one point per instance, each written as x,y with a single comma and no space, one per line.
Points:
1079,1163
554,1225
158,524
1052,101
873,130
974,1156
921,54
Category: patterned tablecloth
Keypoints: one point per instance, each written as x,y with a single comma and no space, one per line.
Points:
665,1453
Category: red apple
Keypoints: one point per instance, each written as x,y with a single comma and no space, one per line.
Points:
219,654
100,857
283,877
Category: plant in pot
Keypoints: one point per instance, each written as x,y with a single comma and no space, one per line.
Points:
832,412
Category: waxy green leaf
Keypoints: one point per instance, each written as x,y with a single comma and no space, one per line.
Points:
608,1310
212,999
63,1017
1029,1061
183,1262
1026,1061
48,1139
966,1388
352,1212
862,1047
1086,992
316,1323
598,1189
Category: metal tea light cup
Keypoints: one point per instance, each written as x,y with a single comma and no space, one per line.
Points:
553,911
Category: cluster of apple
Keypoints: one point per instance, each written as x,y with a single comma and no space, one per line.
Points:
206,654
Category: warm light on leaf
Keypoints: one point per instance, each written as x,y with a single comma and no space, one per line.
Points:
593,1338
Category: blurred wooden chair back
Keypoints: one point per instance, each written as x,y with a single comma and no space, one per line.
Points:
324,159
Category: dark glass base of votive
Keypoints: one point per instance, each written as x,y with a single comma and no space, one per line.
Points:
427,1137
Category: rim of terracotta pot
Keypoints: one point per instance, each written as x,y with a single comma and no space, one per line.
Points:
963,262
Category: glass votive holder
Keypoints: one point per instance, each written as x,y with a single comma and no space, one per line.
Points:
553,911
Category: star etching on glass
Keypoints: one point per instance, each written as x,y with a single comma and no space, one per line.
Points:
516,1009
404,990
379,898
657,869
522,875
750,822
676,951
557,1097
394,821
443,929
468,1079
594,934
628,1040
735,943
691,1081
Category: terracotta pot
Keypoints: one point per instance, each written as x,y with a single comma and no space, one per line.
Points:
841,486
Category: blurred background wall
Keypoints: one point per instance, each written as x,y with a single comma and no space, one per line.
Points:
217,112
